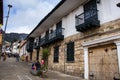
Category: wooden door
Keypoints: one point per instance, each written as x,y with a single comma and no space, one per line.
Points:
103,62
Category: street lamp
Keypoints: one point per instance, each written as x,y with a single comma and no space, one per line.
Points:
9,6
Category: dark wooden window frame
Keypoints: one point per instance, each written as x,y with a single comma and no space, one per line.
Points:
70,52
56,54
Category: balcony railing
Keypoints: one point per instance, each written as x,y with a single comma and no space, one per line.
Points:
29,46
87,20
54,36
43,41
56,33
36,45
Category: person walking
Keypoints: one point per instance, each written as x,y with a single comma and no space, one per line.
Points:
17,57
4,56
33,66
38,65
26,58
42,62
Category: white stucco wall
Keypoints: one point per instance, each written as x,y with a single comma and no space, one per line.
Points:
68,22
51,28
23,50
108,10
15,50
42,35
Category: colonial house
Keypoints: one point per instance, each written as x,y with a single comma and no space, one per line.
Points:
22,48
83,38
15,47
1,22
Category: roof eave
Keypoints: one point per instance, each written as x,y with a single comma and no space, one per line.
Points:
57,6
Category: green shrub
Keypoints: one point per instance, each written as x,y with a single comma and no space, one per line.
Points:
43,68
45,53
39,73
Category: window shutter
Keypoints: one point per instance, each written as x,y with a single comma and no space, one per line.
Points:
70,51
56,54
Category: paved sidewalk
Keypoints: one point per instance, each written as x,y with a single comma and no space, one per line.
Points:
55,75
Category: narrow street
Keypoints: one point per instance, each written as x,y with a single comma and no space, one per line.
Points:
12,70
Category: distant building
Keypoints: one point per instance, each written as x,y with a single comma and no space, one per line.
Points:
23,48
6,47
15,47
83,38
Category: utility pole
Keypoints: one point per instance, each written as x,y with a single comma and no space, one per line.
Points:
9,6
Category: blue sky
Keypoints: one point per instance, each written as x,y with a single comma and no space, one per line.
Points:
26,14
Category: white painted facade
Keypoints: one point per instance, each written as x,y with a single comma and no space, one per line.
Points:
108,10
51,28
23,50
42,35
15,48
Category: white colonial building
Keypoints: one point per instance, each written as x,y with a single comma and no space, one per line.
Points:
22,48
83,38
15,47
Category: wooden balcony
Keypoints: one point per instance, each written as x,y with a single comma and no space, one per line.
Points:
55,36
88,20
29,46
36,45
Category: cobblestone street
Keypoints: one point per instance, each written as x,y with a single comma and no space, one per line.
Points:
12,70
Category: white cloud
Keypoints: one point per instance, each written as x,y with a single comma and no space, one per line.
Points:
26,14
20,29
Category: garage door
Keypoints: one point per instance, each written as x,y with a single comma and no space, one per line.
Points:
103,62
